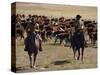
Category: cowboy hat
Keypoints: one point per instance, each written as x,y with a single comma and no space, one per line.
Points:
78,16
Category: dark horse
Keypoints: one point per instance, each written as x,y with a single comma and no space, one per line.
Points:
77,44
32,45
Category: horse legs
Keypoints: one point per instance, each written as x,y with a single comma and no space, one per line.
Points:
35,55
30,57
82,54
74,51
22,36
47,35
56,38
61,40
78,54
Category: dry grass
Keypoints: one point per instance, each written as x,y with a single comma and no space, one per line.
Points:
54,57
67,11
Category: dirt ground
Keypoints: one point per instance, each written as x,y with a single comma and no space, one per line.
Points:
54,57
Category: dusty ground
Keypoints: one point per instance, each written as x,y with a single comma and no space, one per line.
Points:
54,57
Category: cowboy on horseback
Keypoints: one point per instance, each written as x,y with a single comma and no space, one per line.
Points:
33,29
79,27
32,42
29,31
77,39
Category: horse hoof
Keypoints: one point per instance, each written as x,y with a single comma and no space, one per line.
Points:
30,66
78,58
75,58
34,67
41,50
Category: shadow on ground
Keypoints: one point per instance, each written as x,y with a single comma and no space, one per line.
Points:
61,62
52,44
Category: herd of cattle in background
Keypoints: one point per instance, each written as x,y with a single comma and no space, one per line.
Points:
60,28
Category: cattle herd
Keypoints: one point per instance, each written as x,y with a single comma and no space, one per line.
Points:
51,27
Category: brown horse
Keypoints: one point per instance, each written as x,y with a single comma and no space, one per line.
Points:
32,43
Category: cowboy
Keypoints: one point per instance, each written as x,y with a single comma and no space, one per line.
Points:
32,30
37,31
79,28
78,23
29,31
